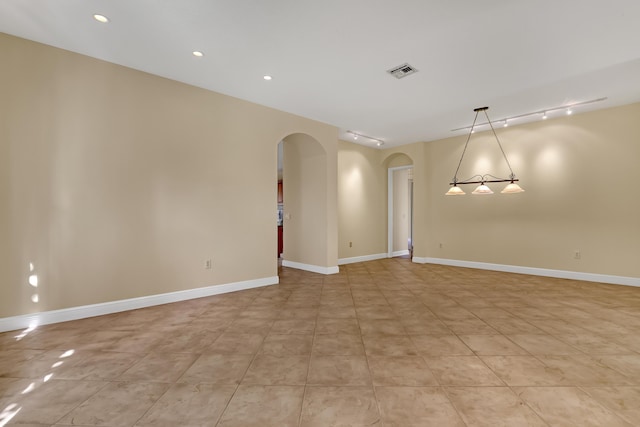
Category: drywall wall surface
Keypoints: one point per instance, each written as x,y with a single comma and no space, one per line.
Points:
117,184
362,203
580,176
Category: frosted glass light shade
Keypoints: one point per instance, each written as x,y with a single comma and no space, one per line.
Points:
455,191
482,189
512,188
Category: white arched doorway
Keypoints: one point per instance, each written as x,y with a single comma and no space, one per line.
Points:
305,213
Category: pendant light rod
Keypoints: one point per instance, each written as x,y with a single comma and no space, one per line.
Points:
484,109
482,189
455,176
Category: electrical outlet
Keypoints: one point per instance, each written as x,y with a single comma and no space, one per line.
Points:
577,255
350,244
208,264
441,245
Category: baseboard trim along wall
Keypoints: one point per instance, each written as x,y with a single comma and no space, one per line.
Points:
560,274
363,258
81,312
400,253
311,268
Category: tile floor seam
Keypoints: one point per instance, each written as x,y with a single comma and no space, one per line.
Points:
237,385
494,373
366,358
152,405
582,388
226,406
426,362
530,407
107,384
304,391
375,394
453,405
577,387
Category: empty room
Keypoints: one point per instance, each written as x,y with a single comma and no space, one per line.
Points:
293,213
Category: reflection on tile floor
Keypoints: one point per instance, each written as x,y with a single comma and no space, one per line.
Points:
387,343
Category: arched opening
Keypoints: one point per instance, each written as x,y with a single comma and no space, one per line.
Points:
280,220
399,205
304,204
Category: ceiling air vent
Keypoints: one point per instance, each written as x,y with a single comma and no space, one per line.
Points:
402,71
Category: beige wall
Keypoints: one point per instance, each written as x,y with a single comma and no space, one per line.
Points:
117,184
305,200
362,201
579,173
398,160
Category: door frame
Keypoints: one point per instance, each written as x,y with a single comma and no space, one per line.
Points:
390,209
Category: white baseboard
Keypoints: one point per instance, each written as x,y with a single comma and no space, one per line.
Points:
311,268
560,274
363,258
400,253
81,312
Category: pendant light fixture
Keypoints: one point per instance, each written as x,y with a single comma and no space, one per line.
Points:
482,180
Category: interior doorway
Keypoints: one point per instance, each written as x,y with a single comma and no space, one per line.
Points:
400,211
280,220
304,209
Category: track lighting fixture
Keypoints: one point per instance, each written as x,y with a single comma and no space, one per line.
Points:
568,108
356,135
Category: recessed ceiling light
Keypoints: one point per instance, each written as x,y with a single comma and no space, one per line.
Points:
267,77
100,18
198,53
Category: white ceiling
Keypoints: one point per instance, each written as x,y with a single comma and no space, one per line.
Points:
328,58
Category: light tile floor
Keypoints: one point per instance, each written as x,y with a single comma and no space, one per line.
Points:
386,343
